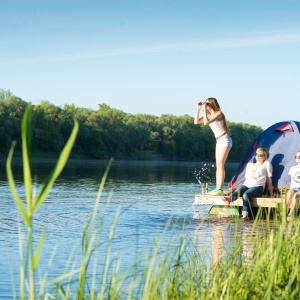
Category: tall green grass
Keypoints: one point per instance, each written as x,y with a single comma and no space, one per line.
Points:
260,264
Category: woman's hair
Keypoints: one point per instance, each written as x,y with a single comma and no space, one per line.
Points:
264,151
297,153
216,107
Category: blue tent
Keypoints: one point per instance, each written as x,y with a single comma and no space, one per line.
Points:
283,142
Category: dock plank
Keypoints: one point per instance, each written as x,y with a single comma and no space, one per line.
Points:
204,199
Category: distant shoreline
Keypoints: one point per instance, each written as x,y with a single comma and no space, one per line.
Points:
54,156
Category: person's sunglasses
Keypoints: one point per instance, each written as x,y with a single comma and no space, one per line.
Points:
297,157
259,155
208,104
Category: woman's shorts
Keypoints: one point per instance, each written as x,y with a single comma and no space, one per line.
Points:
224,141
296,189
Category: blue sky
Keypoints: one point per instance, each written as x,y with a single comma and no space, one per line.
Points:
156,57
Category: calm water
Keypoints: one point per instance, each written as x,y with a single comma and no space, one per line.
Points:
148,194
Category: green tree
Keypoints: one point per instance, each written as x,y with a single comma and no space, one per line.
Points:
47,124
5,94
110,132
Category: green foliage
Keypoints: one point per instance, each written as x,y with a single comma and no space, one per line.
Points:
5,94
109,132
243,135
11,113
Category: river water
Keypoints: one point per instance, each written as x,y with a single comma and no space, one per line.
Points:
149,194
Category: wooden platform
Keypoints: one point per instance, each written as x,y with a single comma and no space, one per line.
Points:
204,199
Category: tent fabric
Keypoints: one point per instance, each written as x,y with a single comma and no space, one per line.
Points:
284,127
283,142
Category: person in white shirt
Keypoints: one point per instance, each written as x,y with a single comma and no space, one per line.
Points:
214,117
294,191
257,174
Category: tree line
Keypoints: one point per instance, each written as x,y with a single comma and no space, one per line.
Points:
108,132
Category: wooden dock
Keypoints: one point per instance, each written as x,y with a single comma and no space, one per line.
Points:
221,208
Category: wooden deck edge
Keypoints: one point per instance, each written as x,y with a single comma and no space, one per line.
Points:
204,199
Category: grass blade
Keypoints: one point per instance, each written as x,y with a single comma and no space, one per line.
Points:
13,189
63,158
39,250
26,144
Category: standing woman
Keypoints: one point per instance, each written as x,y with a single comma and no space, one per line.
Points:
213,116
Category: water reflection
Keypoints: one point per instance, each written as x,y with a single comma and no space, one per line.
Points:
217,238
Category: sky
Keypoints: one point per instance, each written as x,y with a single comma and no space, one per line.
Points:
155,57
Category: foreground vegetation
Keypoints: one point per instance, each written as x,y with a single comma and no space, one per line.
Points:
109,132
257,266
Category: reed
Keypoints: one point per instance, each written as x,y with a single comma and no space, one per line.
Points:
33,201
260,264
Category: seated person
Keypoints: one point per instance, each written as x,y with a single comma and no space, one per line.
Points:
256,176
294,192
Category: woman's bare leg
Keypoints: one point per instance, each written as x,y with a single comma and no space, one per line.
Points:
221,156
294,205
290,195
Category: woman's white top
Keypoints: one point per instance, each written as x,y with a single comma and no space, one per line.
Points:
217,128
295,176
256,175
